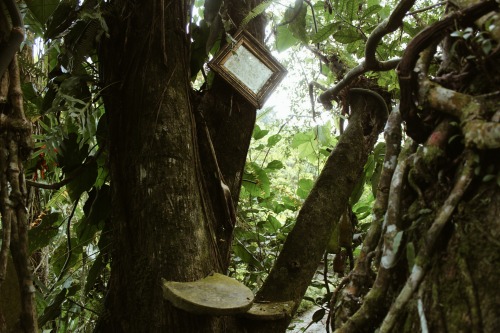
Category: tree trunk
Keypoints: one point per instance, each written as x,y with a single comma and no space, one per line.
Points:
169,218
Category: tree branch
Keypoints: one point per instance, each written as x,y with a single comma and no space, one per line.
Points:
371,63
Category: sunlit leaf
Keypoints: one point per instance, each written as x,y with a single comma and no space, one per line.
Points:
304,187
285,39
273,140
258,133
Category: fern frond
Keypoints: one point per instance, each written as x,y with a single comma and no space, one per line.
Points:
256,11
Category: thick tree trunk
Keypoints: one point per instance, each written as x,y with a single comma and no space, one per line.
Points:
168,215
160,226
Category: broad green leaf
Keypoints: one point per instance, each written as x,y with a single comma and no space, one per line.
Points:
369,166
350,9
291,203
318,315
272,224
60,256
410,255
396,242
373,9
273,139
324,134
246,256
358,190
301,138
324,32
97,210
307,149
61,18
258,133
256,11
346,35
304,187
285,39
199,35
94,272
42,9
275,165
334,242
298,25
83,182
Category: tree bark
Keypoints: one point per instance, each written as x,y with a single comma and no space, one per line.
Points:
167,214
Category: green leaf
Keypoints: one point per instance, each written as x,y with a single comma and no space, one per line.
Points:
350,9
410,255
318,315
373,9
199,35
324,32
61,18
246,256
42,9
94,271
397,241
324,134
346,35
272,224
301,138
298,25
285,39
61,253
256,11
304,187
258,133
275,165
97,210
83,182
273,140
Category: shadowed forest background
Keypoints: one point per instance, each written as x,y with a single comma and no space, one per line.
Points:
367,188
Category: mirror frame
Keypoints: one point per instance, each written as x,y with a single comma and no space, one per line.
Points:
244,38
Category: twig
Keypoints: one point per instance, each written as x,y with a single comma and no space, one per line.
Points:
421,10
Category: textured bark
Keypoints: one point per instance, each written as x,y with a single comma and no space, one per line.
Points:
167,215
459,293
159,226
